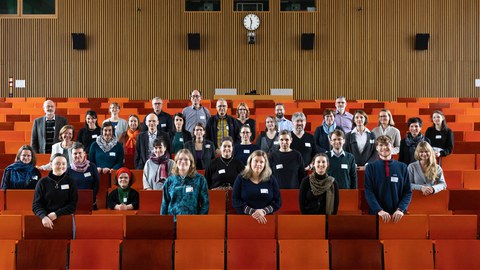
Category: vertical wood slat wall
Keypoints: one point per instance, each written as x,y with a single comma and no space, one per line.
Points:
138,49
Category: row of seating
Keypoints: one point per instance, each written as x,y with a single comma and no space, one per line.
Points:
208,242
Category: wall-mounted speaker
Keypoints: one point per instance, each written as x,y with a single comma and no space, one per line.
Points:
421,41
194,41
78,40
308,39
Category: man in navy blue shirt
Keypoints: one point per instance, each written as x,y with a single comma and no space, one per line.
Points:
387,185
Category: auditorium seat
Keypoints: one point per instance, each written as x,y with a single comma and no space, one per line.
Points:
349,203
462,200
457,254
150,201
7,254
10,227
200,242
471,179
454,179
408,254
352,227
99,227
85,201
453,226
19,201
62,228
368,254
2,197
289,202
49,254
409,227
94,254
218,202
432,204
6,159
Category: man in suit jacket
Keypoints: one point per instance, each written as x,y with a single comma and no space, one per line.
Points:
144,147
46,128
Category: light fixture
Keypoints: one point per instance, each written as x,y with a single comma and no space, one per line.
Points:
251,37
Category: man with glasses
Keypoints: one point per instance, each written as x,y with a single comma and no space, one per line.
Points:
195,113
343,119
222,125
165,122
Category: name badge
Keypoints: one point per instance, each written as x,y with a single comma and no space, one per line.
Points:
94,136
125,200
163,125
394,179
35,177
344,166
279,166
372,141
87,174
180,140
66,186
276,143
202,117
189,189
264,191
307,144
113,154
246,151
207,146
438,137
222,171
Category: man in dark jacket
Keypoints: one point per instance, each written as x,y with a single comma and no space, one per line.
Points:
222,125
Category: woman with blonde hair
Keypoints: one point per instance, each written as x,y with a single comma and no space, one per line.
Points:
256,191
185,191
64,146
243,114
386,126
425,174
268,139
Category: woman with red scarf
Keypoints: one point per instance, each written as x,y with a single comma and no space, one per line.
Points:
129,138
158,167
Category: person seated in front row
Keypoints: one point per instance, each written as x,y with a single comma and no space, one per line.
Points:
222,171
124,197
203,150
268,139
256,191
22,174
360,142
185,192
106,152
342,165
55,195
425,174
83,172
409,144
64,146
243,150
158,168
319,192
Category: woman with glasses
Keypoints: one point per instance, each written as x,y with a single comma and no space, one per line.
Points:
243,114
386,126
22,174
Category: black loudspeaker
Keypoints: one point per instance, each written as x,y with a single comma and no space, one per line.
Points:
78,41
421,41
308,39
194,41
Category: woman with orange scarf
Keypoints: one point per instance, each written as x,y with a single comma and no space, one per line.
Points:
129,138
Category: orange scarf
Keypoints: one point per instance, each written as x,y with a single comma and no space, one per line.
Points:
132,141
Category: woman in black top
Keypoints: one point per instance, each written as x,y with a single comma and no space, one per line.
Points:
124,197
268,139
222,171
90,132
179,135
440,136
319,192
243,114
202,149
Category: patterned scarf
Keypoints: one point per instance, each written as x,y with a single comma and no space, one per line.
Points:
321,184
104,145
162,163
80,167
412,142
132,141
328,129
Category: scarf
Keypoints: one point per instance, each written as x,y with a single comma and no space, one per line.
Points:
162,163
412,142
123,195
328,129
80,167
104,145
132,141
20,174
321,184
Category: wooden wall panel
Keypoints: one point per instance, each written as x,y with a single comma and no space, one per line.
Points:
138,49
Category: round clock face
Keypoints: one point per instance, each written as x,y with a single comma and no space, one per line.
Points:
251,22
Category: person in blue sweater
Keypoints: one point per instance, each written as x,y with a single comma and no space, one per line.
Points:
387,184
106,152
185,191
255,190
83,172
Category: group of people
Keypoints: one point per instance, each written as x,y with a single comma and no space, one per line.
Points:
170,150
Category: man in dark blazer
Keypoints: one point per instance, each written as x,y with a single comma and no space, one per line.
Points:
144,147
45,130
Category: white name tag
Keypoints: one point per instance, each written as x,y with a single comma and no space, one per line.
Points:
279,166
66,186
222,171
394,179
202,117
35,177
163,125
246,151
207,146
372,141
276,143
125,200
438,137
87,174
189,189
113,154
264,191
94,136
344,166
307,144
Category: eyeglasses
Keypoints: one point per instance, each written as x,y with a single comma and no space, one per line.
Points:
157,103
245,132
242,109
222,106
195,96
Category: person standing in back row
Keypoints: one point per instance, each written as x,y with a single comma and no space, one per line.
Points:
343,118
45,130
